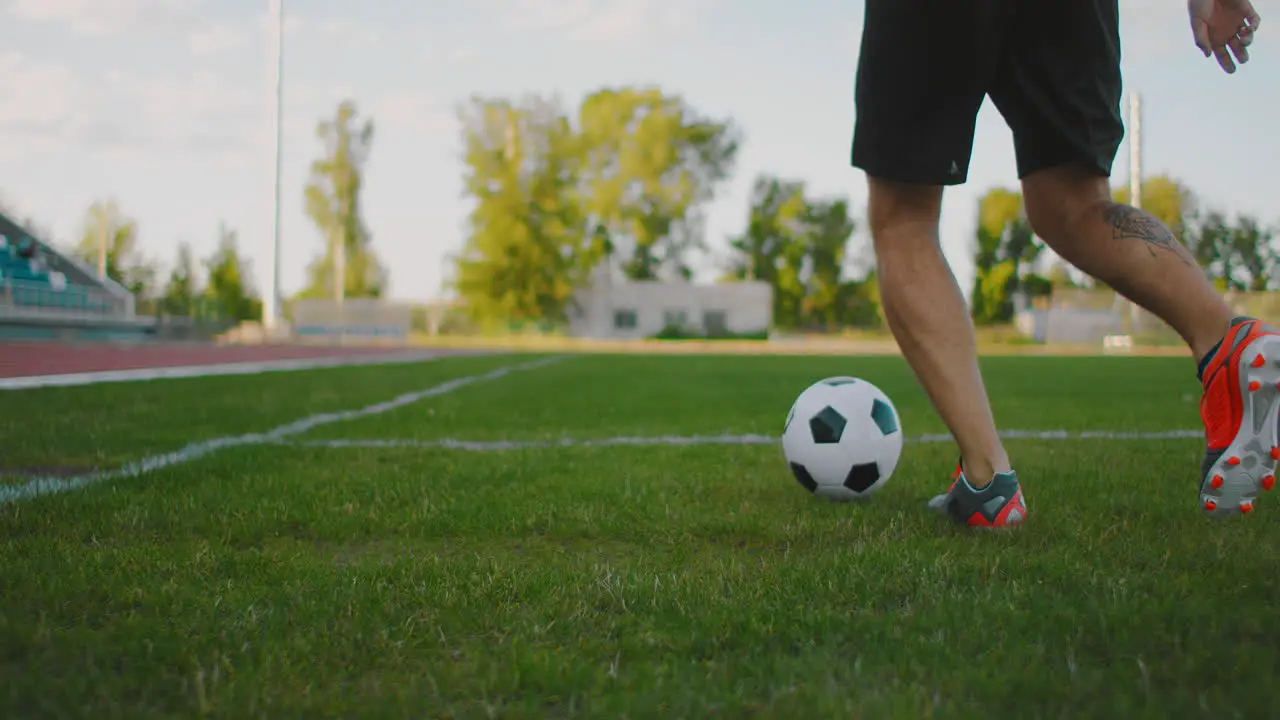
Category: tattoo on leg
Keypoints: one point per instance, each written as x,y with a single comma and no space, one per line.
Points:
1130,223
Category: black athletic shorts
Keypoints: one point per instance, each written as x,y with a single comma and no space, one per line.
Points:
1052,68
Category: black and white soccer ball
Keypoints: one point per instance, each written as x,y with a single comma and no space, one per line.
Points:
842,438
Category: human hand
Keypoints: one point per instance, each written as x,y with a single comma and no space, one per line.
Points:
1219,25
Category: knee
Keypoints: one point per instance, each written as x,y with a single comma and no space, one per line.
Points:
1056,200
1052,219
900,214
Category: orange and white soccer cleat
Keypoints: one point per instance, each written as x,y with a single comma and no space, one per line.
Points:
1241,410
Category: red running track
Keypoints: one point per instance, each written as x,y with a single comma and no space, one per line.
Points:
24,359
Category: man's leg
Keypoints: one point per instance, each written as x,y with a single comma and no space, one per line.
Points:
1061,95
930,319
1070,208
1239,358
914,135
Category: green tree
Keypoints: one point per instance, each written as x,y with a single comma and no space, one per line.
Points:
1005,245
109,235
829,229
798,245
771,248
861,305
774,214
1254,253
652,163
181,289
348,266
528,248
1209,237
228,285
1236,255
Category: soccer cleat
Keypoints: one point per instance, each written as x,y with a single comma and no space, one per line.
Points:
1240,407
999,504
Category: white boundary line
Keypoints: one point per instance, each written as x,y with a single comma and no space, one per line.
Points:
36,487
674,440
228,368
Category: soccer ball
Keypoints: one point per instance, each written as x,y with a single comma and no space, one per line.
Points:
842,438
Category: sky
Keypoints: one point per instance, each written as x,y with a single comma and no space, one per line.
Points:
165,106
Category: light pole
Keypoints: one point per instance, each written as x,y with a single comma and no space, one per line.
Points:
1135,150
1135,185
271,303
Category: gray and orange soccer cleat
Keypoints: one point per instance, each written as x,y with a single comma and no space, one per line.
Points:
1000,504
1240,409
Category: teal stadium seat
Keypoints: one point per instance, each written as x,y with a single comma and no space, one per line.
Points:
33,288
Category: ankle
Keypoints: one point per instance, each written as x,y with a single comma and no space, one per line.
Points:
1207,341
982,469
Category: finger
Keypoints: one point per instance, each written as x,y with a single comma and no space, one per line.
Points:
1224,59
1239,50
1200,31
1246,36
1251,16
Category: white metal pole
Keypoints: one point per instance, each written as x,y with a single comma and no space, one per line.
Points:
271,302
1135,179
1135,150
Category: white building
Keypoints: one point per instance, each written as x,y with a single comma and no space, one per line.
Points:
641,309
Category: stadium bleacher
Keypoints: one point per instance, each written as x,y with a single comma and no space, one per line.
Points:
47,294
27,281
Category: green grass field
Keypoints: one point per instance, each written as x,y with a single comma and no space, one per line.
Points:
662,581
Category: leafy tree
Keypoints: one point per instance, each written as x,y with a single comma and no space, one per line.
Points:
1035,285
771,249
1236,256
777,208
228,285
992,297
829,229
651,162
1254,253
861,304
348,267
997,209
626,186
798,245
1209,237
1005,244
528,248
181,289
110,236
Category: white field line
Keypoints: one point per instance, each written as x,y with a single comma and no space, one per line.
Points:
675,440
228,368
36,487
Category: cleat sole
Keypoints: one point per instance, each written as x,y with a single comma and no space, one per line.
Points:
1248,465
